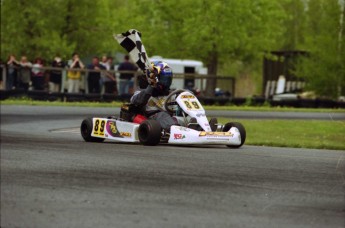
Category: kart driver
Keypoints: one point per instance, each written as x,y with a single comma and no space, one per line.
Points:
154,88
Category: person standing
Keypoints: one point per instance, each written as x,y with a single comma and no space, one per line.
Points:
126,82
38,75
12,65
104,60
24,75
108,78
104,63
94,75
2,68
56,75
74,76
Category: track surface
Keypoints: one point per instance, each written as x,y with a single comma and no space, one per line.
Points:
51,178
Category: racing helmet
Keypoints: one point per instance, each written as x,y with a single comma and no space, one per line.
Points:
164,74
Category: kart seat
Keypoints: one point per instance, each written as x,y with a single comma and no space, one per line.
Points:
130,111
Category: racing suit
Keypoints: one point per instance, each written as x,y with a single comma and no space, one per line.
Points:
153,107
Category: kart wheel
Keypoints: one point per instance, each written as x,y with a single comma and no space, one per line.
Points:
240,128
150,132
86,130
213,123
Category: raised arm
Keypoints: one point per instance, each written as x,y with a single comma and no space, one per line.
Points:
140,98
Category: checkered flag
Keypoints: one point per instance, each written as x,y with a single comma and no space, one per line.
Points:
131,41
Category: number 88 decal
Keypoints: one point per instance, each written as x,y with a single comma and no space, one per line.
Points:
192,105
99,127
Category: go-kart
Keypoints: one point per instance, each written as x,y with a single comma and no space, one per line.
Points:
192,125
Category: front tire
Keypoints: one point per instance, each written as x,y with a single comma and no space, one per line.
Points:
86,130
240,128
150,132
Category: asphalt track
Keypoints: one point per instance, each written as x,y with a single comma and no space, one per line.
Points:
51,178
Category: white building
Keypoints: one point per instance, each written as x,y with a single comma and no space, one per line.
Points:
180,66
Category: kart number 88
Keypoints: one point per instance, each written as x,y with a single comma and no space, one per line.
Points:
99,127
192,105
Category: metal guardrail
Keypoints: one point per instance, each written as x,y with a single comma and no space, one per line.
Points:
203,78
64,96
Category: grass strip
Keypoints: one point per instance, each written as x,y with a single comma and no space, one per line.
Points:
294,133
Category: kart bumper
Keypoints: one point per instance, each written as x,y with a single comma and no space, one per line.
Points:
183,136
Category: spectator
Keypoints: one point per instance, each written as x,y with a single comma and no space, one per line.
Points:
74,76
2,67
108,78
104,63
37,75
104,60
24,73
126,82
56,75
94,75
11,79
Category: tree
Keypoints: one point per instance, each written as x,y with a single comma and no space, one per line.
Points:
324,68
31,32
213,31
232,30
46,27
294,25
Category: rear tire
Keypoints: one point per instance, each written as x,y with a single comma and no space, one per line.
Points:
240,128
150,132
86,130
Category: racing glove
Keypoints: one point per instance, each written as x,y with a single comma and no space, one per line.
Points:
152,77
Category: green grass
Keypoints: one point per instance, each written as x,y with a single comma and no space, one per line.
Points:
26,101
271,109
294,133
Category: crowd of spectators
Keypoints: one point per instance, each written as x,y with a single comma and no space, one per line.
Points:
99,76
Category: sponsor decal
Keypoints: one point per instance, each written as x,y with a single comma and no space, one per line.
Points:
126,134
151,103
218,139
161,102
167,70
215,134
200,114
154,102
179,136
187,97
183,128
112,129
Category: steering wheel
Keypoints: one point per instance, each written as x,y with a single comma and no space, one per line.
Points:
169,103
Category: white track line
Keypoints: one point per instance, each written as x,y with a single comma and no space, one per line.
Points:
74,130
